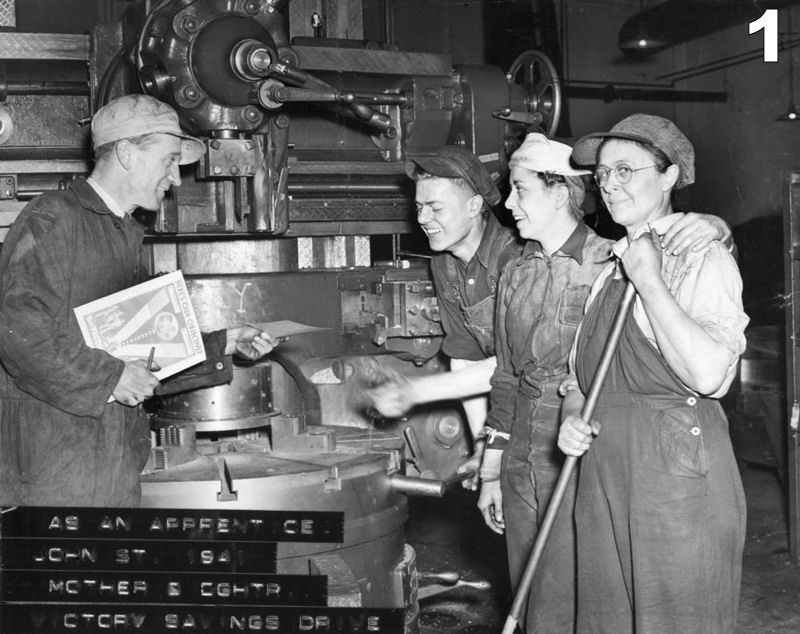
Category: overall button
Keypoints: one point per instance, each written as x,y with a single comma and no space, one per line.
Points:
694,431
692,401
470,281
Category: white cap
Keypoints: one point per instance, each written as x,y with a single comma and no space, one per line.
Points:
540,154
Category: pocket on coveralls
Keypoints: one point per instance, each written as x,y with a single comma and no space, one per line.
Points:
573,300
682,441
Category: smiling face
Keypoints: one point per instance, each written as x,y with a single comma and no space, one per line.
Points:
449,215
153,169
536,207
646,196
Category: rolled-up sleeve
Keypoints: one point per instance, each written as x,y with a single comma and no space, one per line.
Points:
710,291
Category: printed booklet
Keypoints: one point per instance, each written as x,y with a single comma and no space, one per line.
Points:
154,315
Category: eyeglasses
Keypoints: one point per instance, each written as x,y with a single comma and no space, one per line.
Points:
622,172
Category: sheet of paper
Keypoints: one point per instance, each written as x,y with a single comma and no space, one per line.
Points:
285,328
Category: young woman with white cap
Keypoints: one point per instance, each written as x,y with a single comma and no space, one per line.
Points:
539,305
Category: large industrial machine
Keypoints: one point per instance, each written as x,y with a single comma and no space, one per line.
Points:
300,210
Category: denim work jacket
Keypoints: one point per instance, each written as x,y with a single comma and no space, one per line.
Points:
540,303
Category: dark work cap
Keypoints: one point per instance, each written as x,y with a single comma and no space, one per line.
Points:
645,128
455,162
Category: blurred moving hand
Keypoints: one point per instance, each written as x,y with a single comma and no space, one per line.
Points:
394,397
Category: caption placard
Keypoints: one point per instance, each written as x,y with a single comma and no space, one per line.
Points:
166,570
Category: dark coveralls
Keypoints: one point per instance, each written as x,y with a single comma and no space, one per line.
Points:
466,292
660,510
539,306
61,442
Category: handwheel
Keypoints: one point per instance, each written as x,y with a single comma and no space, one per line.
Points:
536,75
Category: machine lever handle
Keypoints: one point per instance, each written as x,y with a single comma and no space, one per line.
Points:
424,486
226,493
426,592
450,576
508,114
458,477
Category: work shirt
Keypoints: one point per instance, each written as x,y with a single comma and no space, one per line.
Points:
540,303
706,285
59,432
466,292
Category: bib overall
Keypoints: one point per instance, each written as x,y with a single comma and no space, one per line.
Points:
660,510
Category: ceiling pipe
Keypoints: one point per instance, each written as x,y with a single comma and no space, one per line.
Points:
725,62
609,93
678,21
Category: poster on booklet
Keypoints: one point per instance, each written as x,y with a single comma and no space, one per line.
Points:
154,315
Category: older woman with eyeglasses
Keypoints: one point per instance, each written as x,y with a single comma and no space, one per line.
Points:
660,511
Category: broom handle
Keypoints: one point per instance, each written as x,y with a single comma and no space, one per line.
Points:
569,463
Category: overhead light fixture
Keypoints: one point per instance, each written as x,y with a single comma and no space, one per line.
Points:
791,113
642,38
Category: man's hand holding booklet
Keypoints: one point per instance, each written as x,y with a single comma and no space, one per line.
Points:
156,314
155,320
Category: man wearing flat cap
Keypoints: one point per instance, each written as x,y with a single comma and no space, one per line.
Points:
454,198
63,440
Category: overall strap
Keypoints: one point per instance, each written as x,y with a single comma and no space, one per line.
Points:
496,248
